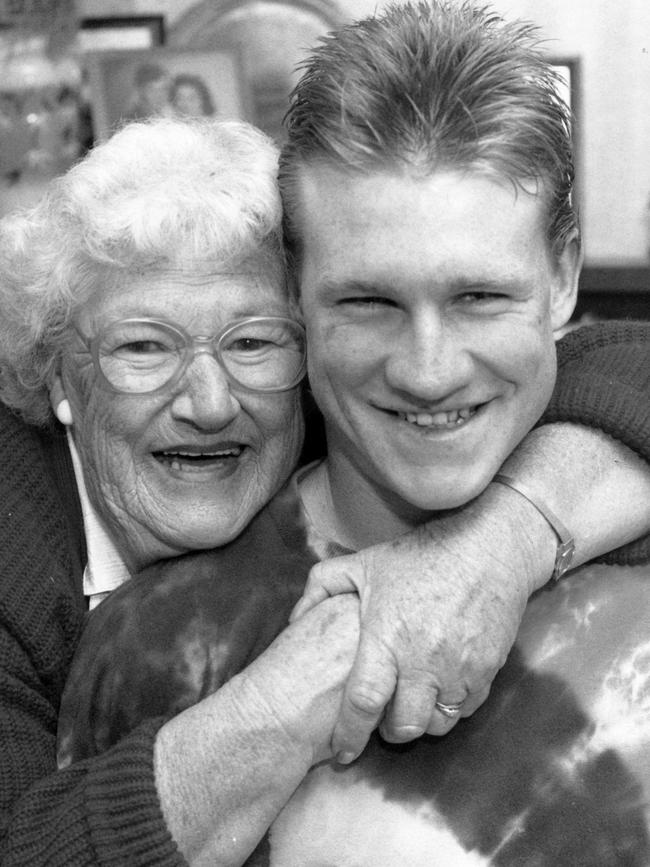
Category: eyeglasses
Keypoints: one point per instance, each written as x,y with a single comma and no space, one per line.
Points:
141,356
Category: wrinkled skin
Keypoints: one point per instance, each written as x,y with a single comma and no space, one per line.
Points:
227,450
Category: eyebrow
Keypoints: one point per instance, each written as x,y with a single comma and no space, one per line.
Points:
329,285
482,284
489,284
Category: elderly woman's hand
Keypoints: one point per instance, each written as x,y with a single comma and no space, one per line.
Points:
440,610
299,680
241,752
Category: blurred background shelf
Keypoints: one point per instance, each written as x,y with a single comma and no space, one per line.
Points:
614,292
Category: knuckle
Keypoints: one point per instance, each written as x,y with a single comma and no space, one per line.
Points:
367,700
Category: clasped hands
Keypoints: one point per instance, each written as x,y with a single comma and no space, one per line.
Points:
439,610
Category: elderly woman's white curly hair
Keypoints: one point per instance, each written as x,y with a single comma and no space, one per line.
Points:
155,194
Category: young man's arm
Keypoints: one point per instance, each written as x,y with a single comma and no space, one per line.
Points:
441,606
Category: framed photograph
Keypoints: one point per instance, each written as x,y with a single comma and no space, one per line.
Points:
119,33
131,85
273,38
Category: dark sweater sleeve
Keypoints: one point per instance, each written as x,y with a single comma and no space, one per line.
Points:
105,811
604,382
101,812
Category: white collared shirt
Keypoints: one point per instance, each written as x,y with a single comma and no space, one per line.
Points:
105,569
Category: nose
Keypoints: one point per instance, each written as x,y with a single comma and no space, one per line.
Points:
203,396
428,360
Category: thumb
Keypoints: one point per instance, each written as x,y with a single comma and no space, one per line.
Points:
329,578
369,688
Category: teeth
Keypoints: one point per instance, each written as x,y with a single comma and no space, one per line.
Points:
427,419
178,460
221,454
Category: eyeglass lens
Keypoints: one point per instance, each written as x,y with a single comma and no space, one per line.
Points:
139,356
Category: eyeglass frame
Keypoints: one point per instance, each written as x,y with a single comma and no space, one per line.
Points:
92,344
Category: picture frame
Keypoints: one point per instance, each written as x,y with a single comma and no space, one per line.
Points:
129,85
273,37
117,33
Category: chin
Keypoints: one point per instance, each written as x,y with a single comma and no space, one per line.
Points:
209,533
212,538
448,493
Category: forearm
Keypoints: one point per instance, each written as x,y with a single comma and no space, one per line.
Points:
599,488
223,777
227,766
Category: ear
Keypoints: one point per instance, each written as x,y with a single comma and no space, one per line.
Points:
564,292
59,402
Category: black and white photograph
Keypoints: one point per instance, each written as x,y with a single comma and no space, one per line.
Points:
164,82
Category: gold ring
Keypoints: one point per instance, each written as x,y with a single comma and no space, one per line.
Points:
450,710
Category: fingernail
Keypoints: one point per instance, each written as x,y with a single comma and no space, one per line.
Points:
344,758
409,731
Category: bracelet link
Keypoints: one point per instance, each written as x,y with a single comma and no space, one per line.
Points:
566,545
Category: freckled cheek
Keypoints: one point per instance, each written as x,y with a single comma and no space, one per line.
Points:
341,358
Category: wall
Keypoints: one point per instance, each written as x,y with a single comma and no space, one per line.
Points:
613,44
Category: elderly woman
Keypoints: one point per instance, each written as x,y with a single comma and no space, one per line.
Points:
166,233
150,363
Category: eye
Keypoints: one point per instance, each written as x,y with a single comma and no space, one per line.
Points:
483,303
248,344
482,297
142,347
368,302
137,340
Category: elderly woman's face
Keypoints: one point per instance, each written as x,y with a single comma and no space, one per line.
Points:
189,466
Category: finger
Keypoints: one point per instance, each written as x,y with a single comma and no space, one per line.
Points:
369,688
474,700
329,578
441,723
448,708
409,713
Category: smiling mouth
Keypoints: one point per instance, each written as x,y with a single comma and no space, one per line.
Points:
439,420
186,460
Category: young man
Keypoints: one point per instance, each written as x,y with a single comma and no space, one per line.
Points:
427,184
427,191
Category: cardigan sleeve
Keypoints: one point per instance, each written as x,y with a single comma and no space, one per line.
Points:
101,812
604,382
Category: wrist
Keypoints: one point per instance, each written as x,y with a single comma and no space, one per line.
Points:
525,540
565,541
498,527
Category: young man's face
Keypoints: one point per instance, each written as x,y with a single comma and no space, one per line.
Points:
430,305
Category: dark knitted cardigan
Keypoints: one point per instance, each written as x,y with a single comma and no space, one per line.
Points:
105,810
